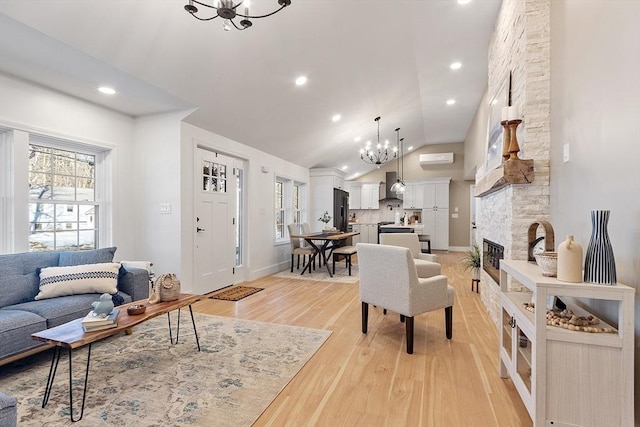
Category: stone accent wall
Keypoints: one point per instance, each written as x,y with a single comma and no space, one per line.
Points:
520,44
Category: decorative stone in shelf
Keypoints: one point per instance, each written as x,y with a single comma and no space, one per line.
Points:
512,171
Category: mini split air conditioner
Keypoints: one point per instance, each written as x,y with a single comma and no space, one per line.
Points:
436,159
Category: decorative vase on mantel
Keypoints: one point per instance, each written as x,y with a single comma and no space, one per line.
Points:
599,263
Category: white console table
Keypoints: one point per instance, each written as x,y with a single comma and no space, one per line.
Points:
566,378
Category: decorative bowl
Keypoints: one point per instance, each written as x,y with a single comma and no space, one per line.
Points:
548,262
136,309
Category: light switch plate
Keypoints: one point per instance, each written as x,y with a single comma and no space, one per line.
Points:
565,155
455,215
165,208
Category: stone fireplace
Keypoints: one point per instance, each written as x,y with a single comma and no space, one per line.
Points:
521,46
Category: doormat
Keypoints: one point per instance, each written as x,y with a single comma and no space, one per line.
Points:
236,293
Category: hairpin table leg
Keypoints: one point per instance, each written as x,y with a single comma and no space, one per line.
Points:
193,322
84,392
52,374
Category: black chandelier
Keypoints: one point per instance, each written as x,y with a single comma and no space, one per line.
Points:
228,10
378,155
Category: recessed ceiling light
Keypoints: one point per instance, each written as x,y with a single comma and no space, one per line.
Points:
410,148
455,65
336,117
301,80
464,1
107,90
451,101
345,167
357,138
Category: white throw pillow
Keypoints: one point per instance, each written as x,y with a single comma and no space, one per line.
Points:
78,279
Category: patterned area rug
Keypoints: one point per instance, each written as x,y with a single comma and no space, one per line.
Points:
321,275
236,293
142,380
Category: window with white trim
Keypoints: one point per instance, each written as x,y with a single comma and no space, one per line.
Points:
290,202
64,208
280,212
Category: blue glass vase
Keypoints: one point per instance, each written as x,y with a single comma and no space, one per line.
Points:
599,263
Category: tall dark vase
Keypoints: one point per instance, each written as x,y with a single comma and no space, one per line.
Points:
599,263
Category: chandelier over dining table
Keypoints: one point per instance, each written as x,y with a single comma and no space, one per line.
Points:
228,10
379,154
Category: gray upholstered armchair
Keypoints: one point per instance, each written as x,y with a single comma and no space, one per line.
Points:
426,264
388,279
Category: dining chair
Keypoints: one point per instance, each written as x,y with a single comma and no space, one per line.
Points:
389,279
306,229
298,248
426,264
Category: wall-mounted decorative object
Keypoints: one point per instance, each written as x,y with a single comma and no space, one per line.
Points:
495,138
570,261
599,262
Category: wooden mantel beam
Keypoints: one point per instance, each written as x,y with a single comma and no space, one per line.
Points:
512,171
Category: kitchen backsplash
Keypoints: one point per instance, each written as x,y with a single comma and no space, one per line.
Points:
386,214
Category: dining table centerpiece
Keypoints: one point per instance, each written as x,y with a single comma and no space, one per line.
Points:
325,218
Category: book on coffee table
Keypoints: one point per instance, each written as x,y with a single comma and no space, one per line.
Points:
92,321
89,328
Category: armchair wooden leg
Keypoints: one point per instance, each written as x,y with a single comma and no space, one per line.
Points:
384,311
409,327
448,319
365,316
402,318
292,263
334,263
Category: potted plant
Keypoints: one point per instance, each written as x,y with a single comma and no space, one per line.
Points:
325,218
472,260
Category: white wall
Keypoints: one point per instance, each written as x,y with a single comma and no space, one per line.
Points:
32,108
262,256
152,160
595,75
476,139
157,172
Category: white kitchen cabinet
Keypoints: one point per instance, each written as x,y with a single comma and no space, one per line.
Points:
566,377
437,194
368,233
370,196
435,213
322,182
355,194
436,225
413,197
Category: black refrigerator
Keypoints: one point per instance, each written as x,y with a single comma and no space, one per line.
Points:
340,209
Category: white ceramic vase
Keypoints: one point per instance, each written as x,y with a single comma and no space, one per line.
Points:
570,261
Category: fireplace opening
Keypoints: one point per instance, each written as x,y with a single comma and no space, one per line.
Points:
492,253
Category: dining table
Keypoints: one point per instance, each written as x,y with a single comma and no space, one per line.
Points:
320,242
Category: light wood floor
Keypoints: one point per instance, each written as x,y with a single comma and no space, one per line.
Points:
370,380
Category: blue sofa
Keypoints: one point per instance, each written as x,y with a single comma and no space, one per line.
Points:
21,315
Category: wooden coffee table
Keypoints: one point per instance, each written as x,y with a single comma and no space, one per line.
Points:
71,335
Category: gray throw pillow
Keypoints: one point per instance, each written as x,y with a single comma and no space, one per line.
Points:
95,256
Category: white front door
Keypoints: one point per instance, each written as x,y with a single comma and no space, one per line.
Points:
215,240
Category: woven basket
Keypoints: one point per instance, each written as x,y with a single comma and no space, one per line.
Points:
168,287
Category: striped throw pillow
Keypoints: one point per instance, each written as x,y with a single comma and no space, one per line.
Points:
78,279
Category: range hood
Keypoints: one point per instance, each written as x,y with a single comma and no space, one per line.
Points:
390,198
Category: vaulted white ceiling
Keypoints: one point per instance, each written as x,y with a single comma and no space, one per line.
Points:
363,58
